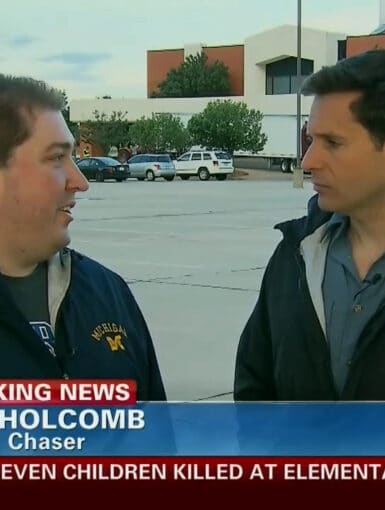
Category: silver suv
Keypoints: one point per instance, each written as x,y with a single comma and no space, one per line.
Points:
204,164
151,166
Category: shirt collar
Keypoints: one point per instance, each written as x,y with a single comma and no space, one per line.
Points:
335,226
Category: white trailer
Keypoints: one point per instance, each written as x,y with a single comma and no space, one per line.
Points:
281,146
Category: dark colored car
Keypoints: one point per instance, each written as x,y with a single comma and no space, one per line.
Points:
101,168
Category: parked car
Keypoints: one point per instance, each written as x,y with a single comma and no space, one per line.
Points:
204,164
101,168
151,166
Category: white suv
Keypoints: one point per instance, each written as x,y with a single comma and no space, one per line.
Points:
204,164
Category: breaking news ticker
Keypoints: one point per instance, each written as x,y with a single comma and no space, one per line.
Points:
93,433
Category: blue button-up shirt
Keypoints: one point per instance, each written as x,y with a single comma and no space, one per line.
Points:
349,301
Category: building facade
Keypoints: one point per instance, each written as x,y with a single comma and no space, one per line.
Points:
262,70
361,43
375,40
160,62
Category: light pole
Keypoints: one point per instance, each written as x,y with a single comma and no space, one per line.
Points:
298,172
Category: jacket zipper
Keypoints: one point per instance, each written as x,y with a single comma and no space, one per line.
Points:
64,373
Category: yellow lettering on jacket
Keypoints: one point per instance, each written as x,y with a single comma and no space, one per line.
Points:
115,343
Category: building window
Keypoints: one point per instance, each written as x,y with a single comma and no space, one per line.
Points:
281,76
341,49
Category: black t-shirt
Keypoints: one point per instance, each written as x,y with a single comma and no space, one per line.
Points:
30,294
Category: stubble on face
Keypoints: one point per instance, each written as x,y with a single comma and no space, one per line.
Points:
32,189
347,168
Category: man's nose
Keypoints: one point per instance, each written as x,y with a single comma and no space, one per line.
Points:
312,158
76,179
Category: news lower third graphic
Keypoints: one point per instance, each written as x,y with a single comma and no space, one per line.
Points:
210,469
96,430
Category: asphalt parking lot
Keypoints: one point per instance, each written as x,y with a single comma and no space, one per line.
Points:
193,254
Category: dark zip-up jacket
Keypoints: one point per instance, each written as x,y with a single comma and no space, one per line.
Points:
99,330
283,354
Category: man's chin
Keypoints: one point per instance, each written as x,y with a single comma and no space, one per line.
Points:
61,243
325,205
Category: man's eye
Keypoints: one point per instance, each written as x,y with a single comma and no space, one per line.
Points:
57,157
333,143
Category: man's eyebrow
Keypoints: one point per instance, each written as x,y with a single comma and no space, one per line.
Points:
327,136
67,146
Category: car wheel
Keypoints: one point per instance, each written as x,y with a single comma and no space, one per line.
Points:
169,178
203,174
99,177
221,177
119,180
287,166
150,175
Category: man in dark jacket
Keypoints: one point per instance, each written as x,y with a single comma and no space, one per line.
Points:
62,315
318,329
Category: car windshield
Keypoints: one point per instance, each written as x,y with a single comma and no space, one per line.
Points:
163,158
109,161
222,155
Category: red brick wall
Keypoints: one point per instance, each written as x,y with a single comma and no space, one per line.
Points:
232,57
359,44
88,149
158,65
160,62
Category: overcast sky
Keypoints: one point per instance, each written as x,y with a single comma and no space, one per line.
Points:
93,48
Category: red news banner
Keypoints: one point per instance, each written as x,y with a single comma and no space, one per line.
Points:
219,471
67,392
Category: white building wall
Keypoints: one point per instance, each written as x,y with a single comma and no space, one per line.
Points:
192,49
83,109
276,44
260,49
332,47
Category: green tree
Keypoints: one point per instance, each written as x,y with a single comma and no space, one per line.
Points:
107,131
162,132
228,125
196,78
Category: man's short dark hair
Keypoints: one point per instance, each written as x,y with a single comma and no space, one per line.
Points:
20,98
364,73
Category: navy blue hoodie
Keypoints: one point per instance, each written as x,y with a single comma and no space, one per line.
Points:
99,330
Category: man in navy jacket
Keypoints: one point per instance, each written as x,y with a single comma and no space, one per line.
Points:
62,315
318,329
